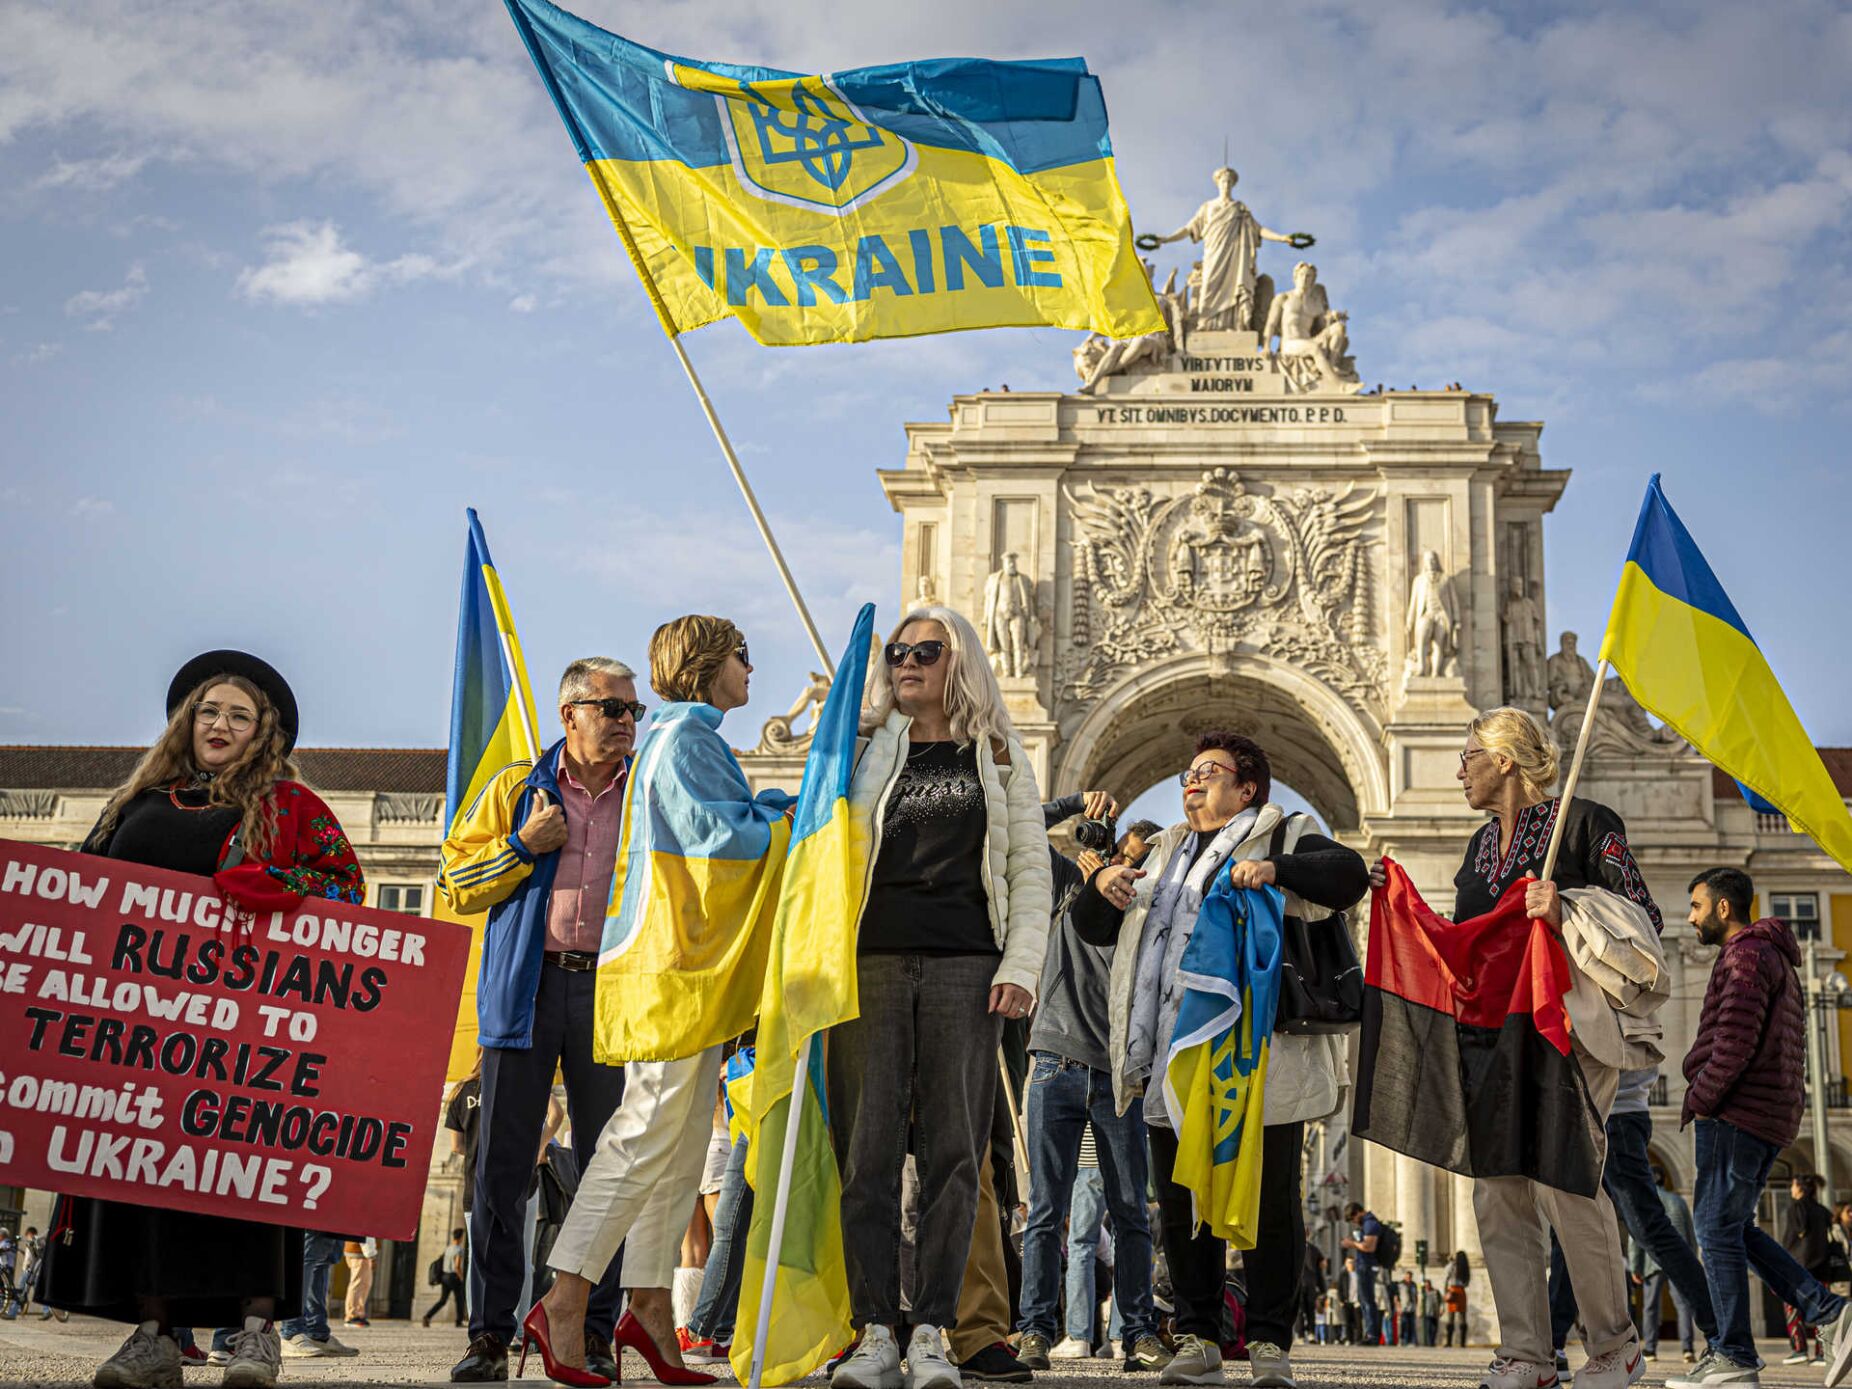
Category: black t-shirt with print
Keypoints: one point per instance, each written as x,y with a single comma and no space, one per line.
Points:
927,896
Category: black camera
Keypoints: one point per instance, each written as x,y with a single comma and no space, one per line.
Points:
1101,836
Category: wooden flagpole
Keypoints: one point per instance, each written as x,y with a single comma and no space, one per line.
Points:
1575,771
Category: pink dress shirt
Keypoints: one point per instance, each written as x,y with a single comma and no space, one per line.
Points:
587,862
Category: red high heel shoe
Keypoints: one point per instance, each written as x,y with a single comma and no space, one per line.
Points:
539,1334
630,1335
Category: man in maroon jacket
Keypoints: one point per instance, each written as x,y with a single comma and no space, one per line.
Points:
1744,1087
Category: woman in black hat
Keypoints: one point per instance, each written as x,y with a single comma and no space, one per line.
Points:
217,795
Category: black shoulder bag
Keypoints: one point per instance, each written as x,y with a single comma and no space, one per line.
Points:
1321,981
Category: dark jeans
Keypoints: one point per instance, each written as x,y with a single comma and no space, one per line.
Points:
452,1286
712,1318
923,1051
1628,1179
1651,1286
1197,1258
1064,1096
1372,1310
1430,1331
515,1087
1732,1168
320,1253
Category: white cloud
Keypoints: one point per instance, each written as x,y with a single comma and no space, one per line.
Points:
37,353
99,307
96,175
86,508
523,303
310,265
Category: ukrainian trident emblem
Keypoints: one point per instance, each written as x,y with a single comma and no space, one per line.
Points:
798,142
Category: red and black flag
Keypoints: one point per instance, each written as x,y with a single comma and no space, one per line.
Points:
1465,1060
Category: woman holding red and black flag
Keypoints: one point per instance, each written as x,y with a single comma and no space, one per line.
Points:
1507,769
217,795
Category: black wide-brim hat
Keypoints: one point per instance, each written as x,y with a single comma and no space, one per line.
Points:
258,671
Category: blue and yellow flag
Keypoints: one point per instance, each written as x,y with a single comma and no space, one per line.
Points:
810,986
1686,654
492,725
692,901
1216,1072
875,203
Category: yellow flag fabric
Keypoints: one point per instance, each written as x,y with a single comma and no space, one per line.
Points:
810,986
920,197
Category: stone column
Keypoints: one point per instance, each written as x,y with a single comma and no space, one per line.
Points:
1481,1316
1414,1205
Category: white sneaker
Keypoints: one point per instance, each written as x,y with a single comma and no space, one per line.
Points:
1836,1341
1270,1367
303,1346
256,1356
147,1360
1071,1348
1196,1362
1713,1370
1518,1374
1795,1357
874,1365
1614,1369
928,1367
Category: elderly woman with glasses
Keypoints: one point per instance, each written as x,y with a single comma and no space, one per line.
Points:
680,972
1149,913
951,942
218,795
1507,770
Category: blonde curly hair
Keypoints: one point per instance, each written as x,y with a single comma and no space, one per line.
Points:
1515,735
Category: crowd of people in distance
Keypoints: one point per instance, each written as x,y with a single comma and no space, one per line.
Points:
1006,1150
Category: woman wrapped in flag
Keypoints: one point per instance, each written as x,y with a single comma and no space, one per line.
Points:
950,943
680,973
1507,768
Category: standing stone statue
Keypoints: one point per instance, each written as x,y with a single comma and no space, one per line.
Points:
1231,240
1433,621
1524,681
1009,619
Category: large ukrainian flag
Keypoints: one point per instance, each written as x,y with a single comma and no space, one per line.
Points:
1215,1071
1686,654
492,725
879,202
809,987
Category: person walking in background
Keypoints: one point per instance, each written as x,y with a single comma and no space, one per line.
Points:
1459,1275
1350,1296
1366,1230
1744,1077
1430,1313
537,851
31,1256
1410,1310
360,1256
450,1278
1805,1231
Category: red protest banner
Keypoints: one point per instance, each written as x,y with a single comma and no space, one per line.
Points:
156,1050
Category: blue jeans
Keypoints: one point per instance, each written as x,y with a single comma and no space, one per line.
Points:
1064,1097
1732,1168
320,1253
1372,1312
1085,1215
712,1318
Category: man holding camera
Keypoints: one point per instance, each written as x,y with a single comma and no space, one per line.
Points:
1070,1086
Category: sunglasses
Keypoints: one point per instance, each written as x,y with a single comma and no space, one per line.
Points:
615,708
740,651
925,652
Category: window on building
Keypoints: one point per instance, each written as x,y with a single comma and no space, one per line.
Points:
1801,910
400,897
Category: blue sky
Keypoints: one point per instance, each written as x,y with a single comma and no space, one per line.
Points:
284,289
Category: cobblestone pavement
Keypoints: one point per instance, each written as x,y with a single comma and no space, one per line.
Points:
54,1353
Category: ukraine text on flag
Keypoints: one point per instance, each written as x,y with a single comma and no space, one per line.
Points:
492,727
888,201
810,986
1686,654
1216,1070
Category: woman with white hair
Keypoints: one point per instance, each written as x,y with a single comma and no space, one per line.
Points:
951,943
1507,770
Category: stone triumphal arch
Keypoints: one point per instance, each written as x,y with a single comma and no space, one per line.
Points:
1220,526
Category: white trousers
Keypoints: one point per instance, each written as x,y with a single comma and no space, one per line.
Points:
639,1188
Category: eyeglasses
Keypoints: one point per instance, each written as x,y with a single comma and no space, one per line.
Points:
1470,752
238,720
1199,775
925,652
615,708
740,651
